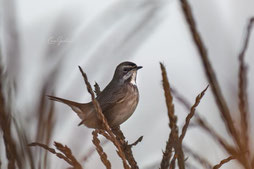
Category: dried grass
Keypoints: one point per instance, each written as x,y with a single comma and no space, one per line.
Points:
224,161
65,154
241,147
5,125
242,92
191,114
100,151
175,141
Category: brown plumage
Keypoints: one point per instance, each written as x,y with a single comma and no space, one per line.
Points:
118,100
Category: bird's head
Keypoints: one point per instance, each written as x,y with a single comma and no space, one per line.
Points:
126,72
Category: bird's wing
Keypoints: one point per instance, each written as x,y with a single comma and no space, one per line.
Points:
111,96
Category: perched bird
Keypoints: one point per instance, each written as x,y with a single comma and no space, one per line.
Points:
118,100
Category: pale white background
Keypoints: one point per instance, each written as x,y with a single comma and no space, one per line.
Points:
98,35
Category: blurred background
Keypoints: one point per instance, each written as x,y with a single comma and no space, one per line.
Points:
43,42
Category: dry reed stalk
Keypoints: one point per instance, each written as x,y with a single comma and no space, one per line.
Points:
93,150
49,129
178,150
172,120
41,115
224,161
191,114
65,154
104,120
206,164
127,147
204,125
173,163
168,97
173,140
100,151
5,125
242,89
25,151
220,101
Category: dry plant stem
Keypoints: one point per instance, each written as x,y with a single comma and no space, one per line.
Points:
242,86
191,114
173,163
167,153
93,150
100,151
172,119
204,125
223,162
25,151
178,150
67,152
173,140
5,125
49,123
104,120
206,164
224,110
126,147
66,156
168,96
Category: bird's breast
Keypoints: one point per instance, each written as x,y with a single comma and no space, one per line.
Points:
125,108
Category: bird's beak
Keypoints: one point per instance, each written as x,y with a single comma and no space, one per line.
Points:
139,67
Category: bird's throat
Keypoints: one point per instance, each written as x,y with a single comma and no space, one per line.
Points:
132,79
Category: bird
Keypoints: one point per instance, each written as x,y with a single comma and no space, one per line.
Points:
118,100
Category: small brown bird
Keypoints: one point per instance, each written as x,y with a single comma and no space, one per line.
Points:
118,100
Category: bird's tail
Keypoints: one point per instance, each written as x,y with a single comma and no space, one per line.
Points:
84,111
74,105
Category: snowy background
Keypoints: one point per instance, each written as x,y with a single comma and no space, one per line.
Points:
38,37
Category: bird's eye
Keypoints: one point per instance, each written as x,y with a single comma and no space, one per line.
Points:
126,69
